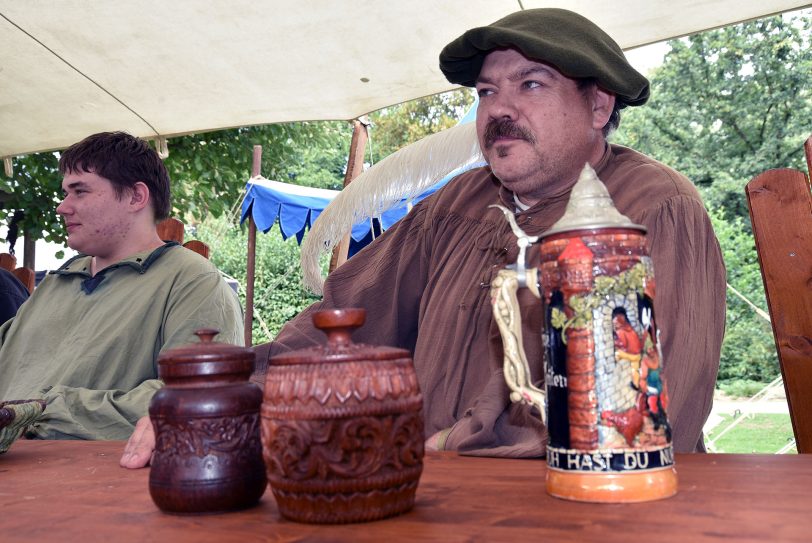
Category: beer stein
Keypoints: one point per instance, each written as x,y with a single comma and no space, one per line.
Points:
604,400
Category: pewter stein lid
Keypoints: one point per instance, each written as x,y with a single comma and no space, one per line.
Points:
590,207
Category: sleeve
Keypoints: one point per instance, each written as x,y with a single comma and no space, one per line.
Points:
81,413
73,412
387,278
494,425
689,306
204,302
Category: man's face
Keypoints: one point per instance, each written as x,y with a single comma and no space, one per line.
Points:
97,221
536,128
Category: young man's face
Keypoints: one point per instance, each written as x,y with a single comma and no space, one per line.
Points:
536,128
97,221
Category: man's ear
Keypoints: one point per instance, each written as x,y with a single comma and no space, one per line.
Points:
139,196
603,102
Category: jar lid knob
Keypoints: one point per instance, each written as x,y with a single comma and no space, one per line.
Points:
339,324
206,335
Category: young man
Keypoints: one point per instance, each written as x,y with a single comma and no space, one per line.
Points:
88,339
551,86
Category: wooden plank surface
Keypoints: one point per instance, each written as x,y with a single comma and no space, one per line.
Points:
75,491
781,213
171,229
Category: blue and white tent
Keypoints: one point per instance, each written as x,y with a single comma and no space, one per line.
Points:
297,207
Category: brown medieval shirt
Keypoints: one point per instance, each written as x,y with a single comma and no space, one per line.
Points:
425,285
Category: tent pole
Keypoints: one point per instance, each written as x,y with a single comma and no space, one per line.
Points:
355,165
252,257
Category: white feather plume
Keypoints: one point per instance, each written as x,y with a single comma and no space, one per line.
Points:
402,175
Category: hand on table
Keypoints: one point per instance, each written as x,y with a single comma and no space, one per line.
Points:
140,446
437,441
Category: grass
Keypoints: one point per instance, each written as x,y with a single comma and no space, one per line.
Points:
759,433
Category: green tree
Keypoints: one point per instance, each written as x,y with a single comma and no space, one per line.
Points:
208,171
397,126
279,294
279,291
748,351
726,105
30,196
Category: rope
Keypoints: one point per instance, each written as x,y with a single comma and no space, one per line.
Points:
760,312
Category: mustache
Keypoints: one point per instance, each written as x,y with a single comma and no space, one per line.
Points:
505,128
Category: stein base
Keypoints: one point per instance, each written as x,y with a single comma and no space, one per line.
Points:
628,487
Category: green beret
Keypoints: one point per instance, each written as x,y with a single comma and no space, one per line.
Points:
566,40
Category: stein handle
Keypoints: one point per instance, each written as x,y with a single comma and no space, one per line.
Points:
506,313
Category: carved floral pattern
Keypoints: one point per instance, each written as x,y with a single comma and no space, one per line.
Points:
233,438
345,448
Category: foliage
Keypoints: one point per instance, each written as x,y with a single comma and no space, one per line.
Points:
208,171
748,351
397,126
741,388
726,105
30,196
279,294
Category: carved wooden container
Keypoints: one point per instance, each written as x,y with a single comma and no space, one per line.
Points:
342,428
208,454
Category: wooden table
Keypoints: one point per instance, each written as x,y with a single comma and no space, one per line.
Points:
75,491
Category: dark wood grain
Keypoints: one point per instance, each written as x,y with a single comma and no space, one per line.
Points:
8,261
171,229
199,247
75,491
781,214
26,276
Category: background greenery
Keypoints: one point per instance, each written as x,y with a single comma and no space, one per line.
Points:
726,105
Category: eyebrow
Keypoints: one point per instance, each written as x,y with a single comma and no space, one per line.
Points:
74,185
520,74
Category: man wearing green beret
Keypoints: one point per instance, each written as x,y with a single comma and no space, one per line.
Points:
551,86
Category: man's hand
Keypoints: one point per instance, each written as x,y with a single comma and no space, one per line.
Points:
437,441
140,446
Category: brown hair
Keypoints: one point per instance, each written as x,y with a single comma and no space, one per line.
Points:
124,160
584,84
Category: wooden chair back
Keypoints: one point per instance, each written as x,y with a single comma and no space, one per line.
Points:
780,204
8,261
25,275
172,229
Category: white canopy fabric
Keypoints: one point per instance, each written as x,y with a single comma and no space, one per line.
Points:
70,68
